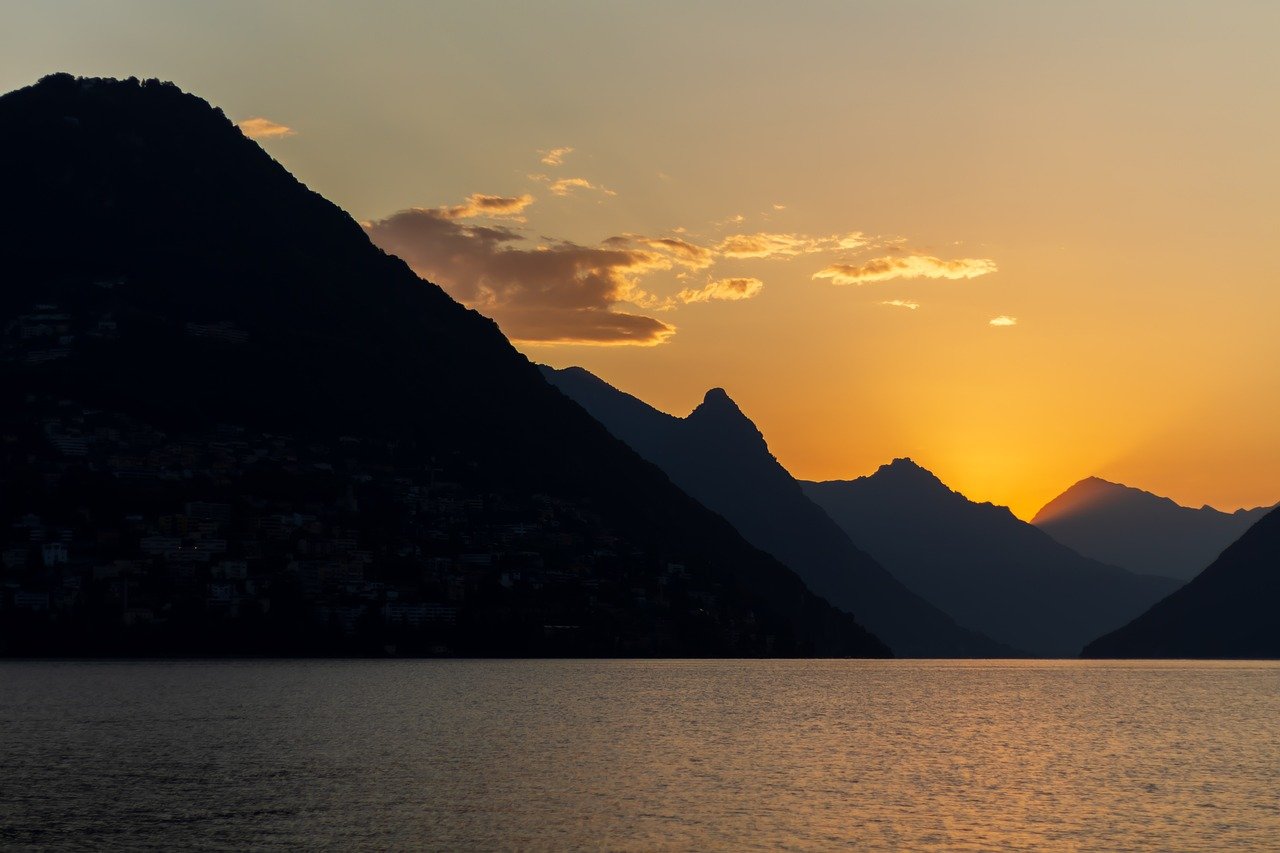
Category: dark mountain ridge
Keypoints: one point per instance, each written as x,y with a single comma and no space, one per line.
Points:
1140,531
718,456
1227,611
233,424
982,564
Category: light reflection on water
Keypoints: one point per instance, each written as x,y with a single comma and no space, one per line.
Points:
641,755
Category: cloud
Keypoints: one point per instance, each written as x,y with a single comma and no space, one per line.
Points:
556,293
902,303
680,251
555,156
1003,320
907,266
729,289
491,206
773,245
263,128
565,186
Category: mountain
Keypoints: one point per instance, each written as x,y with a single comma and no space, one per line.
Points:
1140,531
232,424
718,456
983,565
1226,611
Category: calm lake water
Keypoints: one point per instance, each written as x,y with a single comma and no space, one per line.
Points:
640,755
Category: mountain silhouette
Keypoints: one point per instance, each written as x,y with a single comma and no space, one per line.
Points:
1140,531
1226,611
232,424
718,456
983,565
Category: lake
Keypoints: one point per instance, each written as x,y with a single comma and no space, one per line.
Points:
640,755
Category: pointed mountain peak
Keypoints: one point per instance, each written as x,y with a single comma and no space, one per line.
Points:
719,405
718,412
719,398
906,470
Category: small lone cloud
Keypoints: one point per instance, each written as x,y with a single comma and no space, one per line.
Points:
902,303
726,289
779,207
491,206
555,156
263,128
1003,320
907,266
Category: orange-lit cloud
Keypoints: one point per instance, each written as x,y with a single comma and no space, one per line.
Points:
681,251
491,206
773,245
555,156
558,293
907,266
263,128
766,245
1003,320
902,303
565,186
729,289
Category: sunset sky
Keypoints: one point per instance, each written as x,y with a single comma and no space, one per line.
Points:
1022,243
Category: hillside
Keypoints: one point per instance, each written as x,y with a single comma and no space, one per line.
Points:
1226,611
231,424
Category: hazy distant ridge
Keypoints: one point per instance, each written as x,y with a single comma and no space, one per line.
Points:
982,564
1141,531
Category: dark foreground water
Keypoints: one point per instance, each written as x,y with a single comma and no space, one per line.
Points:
640,755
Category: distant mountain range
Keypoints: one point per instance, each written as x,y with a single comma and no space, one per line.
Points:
233,425
1227,611
1140,531
718,456
981,564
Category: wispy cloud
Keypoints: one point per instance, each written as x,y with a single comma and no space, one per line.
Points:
776,245
902,303
727,289
263,128
681,251
565,186
1003,320
555,156
906,266
490,206
557,293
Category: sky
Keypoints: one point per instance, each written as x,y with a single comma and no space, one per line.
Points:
1021,243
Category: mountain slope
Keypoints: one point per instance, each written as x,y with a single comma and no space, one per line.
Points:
717,455
1140,531
1226,611
981,564
236,424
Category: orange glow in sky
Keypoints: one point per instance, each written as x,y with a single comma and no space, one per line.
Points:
1021,243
